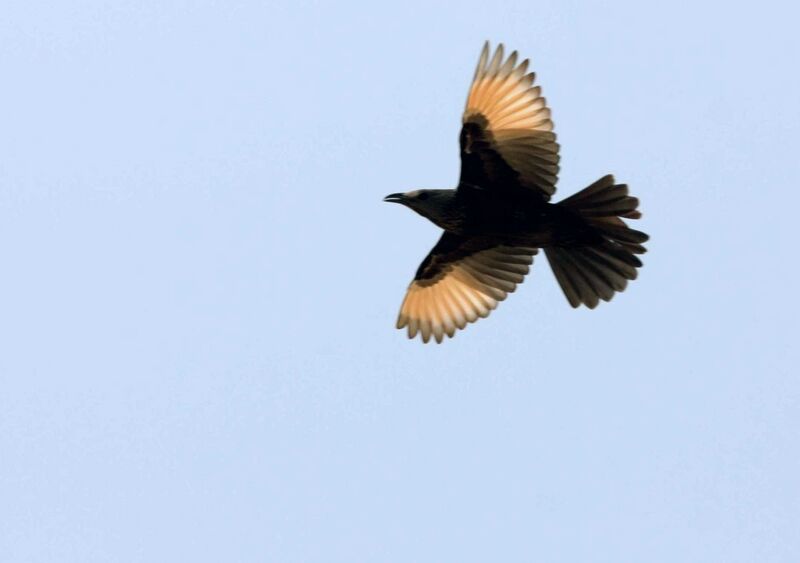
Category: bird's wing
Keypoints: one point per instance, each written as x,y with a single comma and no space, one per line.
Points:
507,137
461,279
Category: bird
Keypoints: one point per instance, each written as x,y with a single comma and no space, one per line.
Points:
499,215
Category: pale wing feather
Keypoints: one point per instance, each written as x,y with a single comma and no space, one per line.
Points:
468,289
517,118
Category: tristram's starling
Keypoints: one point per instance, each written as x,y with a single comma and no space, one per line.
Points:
499,216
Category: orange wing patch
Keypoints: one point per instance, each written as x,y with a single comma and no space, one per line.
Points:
504,102
466,290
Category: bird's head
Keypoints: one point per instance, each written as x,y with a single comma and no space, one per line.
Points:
431,204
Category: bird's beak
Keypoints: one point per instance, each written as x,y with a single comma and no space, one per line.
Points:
395,198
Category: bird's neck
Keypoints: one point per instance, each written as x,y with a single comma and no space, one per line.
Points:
446,211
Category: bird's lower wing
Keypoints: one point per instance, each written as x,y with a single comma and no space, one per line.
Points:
462,279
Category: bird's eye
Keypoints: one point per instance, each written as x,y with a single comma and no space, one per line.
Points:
423,196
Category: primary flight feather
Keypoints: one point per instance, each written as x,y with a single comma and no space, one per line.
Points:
499,215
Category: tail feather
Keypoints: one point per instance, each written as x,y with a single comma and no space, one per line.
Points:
586,279
590,272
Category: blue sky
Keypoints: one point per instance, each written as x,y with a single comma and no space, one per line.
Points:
200,284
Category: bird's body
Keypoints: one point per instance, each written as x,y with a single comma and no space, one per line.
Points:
518,216
500,215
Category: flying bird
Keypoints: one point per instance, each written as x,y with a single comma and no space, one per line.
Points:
500,214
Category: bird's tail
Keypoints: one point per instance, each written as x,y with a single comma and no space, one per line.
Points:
596,270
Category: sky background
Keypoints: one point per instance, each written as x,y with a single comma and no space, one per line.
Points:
200,282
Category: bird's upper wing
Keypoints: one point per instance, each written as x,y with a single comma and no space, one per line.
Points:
507,137
461,279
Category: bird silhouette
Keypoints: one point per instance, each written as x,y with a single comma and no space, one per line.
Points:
499,215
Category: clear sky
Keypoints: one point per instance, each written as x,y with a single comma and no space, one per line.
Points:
200,282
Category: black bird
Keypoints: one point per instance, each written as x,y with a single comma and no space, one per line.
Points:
499,215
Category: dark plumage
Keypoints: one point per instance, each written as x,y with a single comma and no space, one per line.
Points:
500,215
